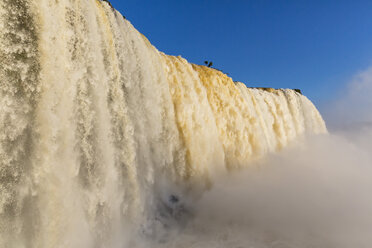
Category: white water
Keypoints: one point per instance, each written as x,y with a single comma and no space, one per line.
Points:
98,129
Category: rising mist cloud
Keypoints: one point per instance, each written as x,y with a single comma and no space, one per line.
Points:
354,104
316,193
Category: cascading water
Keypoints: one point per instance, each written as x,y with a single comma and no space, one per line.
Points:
93,120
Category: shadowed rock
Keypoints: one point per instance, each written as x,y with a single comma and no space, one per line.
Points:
108,3
298,91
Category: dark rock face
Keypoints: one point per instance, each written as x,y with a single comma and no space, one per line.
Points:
173,199
108,3
298,91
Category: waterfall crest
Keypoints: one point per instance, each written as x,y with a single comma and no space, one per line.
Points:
93,117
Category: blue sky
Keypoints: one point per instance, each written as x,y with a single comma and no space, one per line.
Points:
317,46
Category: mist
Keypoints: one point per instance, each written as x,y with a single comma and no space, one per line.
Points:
352,108
314,193
107,142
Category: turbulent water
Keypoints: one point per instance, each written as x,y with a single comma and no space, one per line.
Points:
100,133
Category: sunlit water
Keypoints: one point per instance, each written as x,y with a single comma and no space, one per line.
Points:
107,142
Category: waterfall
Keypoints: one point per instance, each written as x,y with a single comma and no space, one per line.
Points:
94,119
